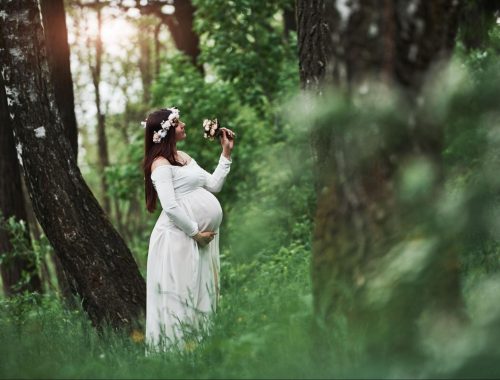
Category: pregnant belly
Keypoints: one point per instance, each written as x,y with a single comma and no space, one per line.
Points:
206,209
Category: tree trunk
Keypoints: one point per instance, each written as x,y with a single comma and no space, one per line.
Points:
181,29
56,42
12,204
106,276
360,221
102,142
58,54
289,20
396,42
157,46
145,59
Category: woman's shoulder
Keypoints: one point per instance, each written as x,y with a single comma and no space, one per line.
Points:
158,162
183,154
185,158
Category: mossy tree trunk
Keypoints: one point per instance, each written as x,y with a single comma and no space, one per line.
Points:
90,249
362,227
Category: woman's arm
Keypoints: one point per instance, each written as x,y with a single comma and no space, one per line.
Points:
165,190
214,182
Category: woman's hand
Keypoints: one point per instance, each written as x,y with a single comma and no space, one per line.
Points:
205,237
227,141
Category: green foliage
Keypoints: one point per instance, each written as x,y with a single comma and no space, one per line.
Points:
180,84
251,176
469,133
21,249
244,43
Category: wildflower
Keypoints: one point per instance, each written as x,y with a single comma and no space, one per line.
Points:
137,336
190,346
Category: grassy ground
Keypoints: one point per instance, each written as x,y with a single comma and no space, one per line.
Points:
262,329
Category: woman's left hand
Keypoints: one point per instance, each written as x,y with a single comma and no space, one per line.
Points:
227,141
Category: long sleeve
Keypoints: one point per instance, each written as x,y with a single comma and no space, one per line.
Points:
214,182
165,189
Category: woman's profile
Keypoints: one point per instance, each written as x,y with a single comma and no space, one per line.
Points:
183,256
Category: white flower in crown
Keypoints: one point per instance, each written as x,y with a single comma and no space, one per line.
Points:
143,124
166,124
158,135
174,116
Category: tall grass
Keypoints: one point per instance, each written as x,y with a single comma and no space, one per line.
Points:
262,329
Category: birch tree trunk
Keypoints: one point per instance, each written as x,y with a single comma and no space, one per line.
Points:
106,275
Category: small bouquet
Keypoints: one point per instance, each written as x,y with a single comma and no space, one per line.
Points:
211,129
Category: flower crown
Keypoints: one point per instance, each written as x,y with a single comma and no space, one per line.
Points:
172,121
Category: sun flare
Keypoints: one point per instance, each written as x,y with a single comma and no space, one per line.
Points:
116,32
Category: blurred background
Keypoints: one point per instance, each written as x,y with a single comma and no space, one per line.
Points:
361,222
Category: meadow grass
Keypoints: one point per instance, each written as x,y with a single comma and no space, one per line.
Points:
262,329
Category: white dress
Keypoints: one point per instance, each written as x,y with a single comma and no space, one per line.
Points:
183,277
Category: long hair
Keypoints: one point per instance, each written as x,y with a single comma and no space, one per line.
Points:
167,148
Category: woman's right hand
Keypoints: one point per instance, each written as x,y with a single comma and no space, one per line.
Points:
227,141
204,237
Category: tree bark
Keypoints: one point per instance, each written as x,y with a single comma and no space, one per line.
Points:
58,54
360,221
56,42
106,276
12,204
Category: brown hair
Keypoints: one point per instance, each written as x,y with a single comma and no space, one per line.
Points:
166,148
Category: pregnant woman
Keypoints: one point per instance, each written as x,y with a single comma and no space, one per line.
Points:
183,257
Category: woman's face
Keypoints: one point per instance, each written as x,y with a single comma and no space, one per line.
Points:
180,133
